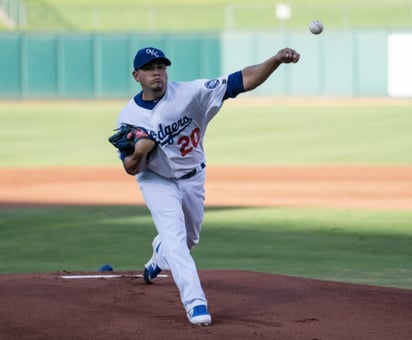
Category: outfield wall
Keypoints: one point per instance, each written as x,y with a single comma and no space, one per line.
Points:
335,63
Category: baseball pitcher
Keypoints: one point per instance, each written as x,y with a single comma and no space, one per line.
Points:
159,137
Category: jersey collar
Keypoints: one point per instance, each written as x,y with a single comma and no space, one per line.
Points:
147,104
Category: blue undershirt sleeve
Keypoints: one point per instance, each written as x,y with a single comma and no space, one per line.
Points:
234,85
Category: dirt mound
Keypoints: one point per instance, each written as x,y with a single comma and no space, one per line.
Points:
244,305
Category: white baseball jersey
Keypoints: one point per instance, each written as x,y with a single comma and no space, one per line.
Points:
178,123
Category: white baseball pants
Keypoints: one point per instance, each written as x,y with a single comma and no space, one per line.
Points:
177,209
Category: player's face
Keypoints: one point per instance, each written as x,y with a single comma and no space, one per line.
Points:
152,77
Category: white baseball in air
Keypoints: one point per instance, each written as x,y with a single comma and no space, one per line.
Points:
316,27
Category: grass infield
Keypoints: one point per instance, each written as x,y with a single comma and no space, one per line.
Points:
246,131
366,247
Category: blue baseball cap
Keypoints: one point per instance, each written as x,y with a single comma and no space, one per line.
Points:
147,55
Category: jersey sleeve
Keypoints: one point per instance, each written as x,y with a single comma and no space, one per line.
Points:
212,92
234,85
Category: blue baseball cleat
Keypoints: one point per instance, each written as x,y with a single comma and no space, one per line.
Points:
151,268
199,315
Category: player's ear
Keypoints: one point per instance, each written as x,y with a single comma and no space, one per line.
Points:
135,75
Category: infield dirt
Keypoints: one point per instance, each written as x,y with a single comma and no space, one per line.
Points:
364,187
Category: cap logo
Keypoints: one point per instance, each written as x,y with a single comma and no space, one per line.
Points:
152,52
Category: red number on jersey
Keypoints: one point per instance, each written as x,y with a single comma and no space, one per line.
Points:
189,142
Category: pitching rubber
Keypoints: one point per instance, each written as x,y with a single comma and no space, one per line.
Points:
104,276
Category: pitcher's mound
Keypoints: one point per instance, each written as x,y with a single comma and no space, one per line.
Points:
244,305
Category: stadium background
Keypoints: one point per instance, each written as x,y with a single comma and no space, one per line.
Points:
83,49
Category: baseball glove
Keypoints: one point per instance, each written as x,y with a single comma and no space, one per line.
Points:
127,136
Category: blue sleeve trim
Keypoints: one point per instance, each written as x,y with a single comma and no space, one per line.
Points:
234,85
122,156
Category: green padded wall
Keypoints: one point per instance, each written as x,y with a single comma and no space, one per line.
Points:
95,65
335,63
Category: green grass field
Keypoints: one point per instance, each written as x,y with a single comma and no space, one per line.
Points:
372,247
276,132
203,15
369,247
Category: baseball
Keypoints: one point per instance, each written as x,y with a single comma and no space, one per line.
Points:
316,27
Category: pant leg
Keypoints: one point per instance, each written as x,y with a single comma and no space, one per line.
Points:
164,200
193,198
